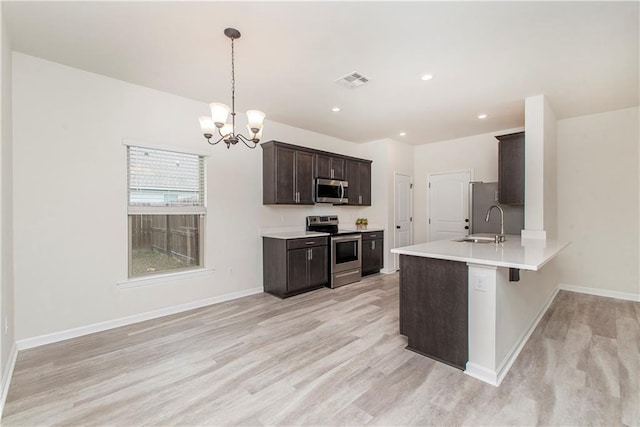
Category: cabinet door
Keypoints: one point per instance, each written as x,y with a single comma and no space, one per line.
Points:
297,267
304,177
285,175
318,266
511,169
323,166
364,172
372,256
352,175
338,167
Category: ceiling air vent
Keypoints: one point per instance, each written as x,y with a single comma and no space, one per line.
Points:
352,80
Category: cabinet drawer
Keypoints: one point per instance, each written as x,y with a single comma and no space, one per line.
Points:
372,235
306,243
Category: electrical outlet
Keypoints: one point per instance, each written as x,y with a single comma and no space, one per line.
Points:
480,283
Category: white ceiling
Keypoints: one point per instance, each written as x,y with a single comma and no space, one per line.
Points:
486,57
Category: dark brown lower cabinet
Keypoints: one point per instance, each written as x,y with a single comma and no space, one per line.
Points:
294,266
434,308
372,252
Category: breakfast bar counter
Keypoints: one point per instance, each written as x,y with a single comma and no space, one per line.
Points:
467,303
525,254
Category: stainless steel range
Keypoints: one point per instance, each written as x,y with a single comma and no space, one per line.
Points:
345,250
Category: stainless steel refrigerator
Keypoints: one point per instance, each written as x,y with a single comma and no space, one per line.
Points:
481,196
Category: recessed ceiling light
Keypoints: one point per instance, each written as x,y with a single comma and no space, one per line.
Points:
427,77
403,133
335,109
482,116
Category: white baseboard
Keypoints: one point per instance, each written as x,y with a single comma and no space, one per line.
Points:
388,270
514,352
496,377
600,292
7,375
123,321
481,373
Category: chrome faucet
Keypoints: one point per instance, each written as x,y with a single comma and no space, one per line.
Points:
499,237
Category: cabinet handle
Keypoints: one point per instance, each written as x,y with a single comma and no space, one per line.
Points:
310,254
331,173
309,243
373,244
360,199
372,236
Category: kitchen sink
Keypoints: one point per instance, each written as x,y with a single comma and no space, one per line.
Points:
477,240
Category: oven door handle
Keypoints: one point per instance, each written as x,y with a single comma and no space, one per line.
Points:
341,192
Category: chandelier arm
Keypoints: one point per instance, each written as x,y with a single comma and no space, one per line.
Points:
245,140
218,141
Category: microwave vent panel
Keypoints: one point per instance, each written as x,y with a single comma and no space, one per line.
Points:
352,80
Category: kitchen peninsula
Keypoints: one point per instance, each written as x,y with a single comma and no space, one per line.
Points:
473,305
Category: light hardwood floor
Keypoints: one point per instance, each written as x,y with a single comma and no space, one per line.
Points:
329,357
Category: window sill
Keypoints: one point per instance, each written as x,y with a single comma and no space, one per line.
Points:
164,278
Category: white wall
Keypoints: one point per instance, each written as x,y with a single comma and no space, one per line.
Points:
478,154
7,340
70,197
598,201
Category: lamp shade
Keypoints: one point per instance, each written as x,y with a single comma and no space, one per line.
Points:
254,136
255,119
219,112
227,131
207,125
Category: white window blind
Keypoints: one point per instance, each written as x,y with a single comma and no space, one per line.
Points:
165,182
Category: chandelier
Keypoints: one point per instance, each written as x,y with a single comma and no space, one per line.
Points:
220,112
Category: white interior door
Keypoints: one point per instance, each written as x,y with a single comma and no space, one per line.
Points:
448,205
403,208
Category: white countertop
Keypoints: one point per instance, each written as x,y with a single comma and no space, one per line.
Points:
293,234
525,254
354,229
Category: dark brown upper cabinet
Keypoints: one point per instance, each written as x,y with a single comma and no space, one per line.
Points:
329,167
511,169
287,175
358,175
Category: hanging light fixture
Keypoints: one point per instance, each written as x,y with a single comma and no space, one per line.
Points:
220,112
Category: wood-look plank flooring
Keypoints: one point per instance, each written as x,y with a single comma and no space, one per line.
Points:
329,357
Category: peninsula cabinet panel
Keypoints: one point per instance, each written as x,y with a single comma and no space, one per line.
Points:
293,266
433,308
511,169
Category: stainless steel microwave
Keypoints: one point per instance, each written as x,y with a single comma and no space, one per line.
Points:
331,191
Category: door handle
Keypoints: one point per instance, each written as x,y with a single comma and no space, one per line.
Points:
398,227
466,227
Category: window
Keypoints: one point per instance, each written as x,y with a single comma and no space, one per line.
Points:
166,210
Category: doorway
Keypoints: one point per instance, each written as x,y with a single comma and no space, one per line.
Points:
448,207
403,216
